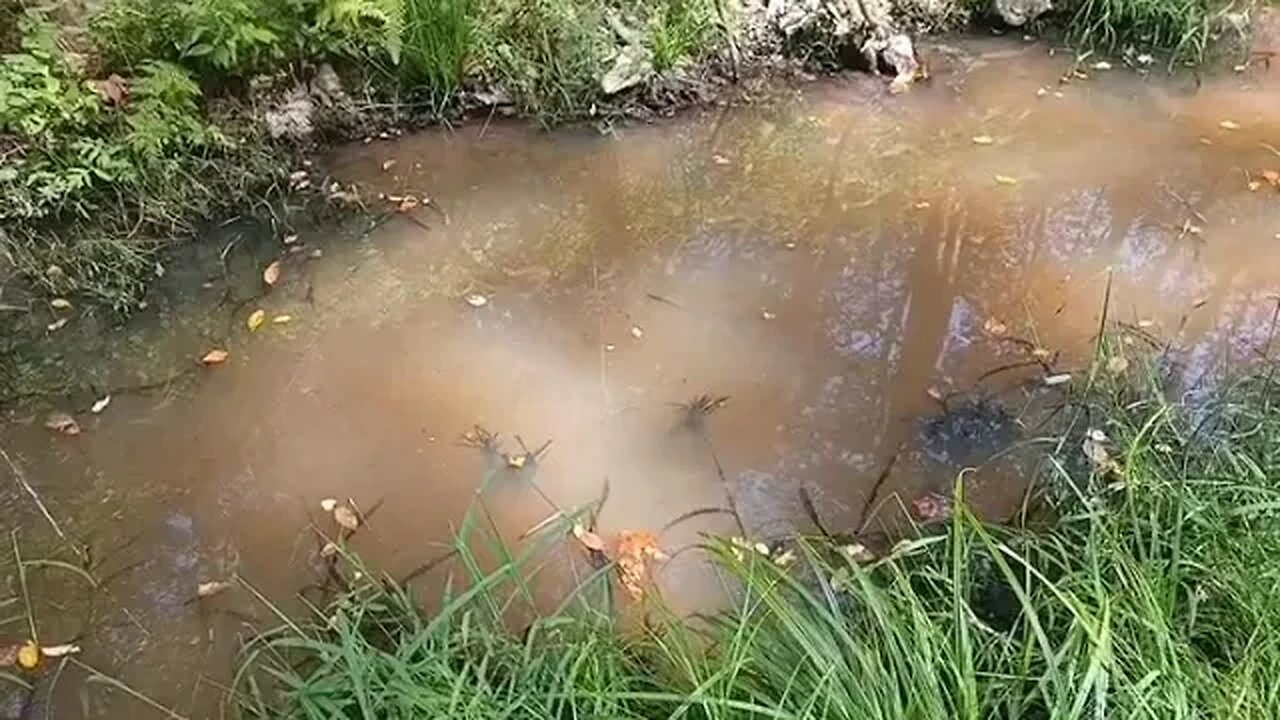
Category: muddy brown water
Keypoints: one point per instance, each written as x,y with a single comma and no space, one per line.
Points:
828,261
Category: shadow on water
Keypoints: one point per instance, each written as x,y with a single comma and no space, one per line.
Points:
879,287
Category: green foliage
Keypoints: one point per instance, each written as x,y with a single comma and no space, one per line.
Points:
1178,27
436,43
680,30
550,54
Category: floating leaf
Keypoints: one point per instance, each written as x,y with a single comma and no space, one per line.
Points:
1271,176
60,304
271,275
476,300
1041,353
256,318
290,239
58,324
1058,379
388,164
216,356
328,504
920,205
635,551
209,588
1006,180
517,461
282,319
983,140
346,517
100,405
29,656
1229,125
57,651
329,550
995,328
589,540
768,315
62,423
637,332
1101,65
408,204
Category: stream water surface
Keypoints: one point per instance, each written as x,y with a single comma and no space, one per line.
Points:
833,262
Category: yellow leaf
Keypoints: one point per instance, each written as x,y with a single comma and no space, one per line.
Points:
282,319
1229,125
271,275
215,357
983,140
256,318
1006,180
29,656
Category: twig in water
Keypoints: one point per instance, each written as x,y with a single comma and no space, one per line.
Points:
693,514
96,675
21,480
864,517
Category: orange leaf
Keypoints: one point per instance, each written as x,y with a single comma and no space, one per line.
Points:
216,356
635,551
271,275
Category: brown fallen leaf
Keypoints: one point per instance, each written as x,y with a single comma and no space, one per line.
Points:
1041,353
256,319
589,540
1229,125
346,517
329,550
271,275
983,140
114,90
1006,180
931,507
282,319
62,423
1271,176
209,588
388,164
407,205
217,356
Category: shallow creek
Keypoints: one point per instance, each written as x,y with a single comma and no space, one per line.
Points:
833,262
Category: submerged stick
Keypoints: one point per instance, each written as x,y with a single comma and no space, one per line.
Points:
21,481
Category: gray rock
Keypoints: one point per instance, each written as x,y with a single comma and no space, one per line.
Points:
632,66
292,118
1017,13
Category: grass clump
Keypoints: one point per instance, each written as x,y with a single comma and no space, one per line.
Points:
1148,589
1183,29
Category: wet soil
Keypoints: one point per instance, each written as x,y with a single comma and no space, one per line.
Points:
879,285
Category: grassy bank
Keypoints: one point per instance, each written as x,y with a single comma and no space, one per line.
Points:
1142,585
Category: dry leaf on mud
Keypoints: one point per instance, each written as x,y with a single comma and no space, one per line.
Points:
271,275
1229,125
217,356
282,319
589,540
1041,353
635,551
1006,180
58,324
100,405
407,205
1271,176
329,550
328,504
210,588
256,319
1058,379
388,164
476,300
60,304
983,140
346,517
62,423
29,656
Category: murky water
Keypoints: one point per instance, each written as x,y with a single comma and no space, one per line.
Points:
833,263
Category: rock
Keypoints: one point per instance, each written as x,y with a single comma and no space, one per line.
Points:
900,56
327,87
292,118
1017,13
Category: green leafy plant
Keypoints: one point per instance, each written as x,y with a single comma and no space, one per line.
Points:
680,30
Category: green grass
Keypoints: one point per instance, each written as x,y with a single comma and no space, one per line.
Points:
1180,28
1147,589
436,42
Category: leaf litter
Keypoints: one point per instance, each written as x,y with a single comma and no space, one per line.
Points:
256,319
62,423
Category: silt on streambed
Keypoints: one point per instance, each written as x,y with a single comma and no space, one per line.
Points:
841,265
